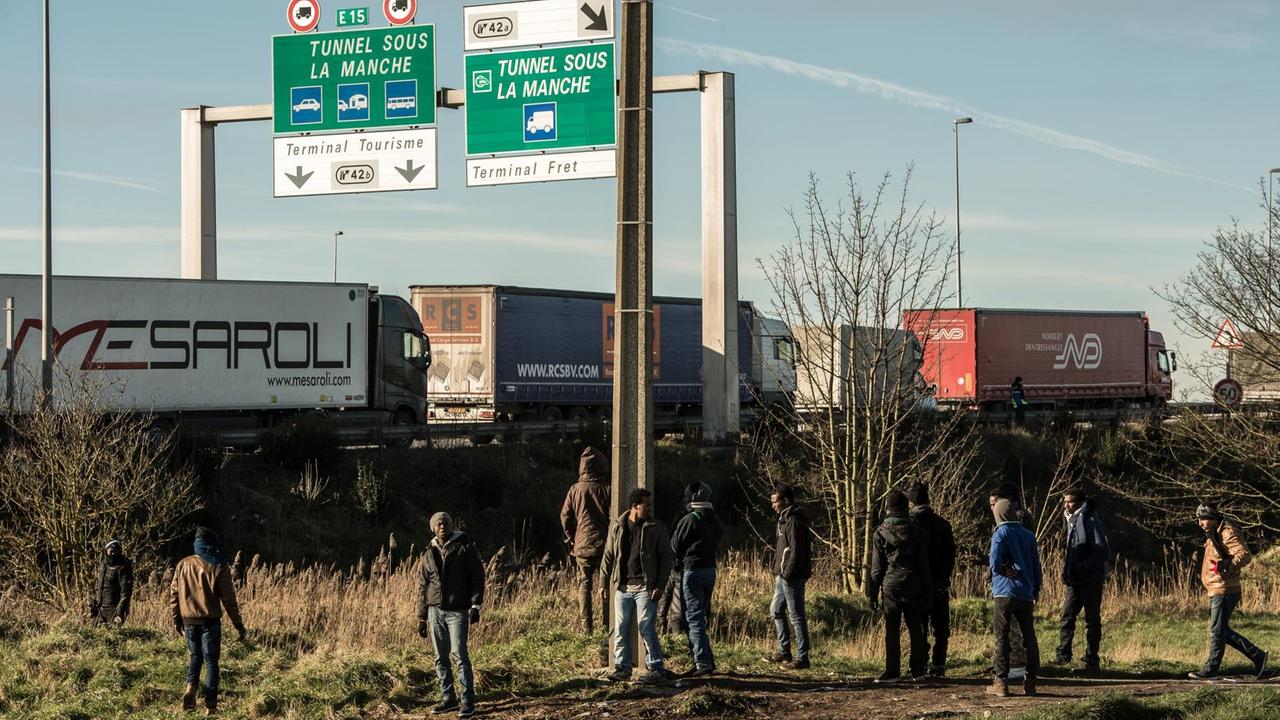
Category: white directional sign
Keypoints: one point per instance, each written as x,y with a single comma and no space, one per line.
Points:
355,162
512,170
536,22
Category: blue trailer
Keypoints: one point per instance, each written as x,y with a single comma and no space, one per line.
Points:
513,353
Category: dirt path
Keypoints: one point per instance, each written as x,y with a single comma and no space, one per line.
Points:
769,696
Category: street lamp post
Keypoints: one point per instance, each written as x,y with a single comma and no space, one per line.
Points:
1271,208
46,265
955,128
335,256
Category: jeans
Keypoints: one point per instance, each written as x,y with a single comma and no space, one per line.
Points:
449,635
894,614
939,617
1010,611
1086,596
788,603
204,647
588,568
1220,633
698,585
639,606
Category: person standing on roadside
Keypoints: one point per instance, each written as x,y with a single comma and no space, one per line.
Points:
941,543
637,561
792,566
900,570
1019,399
1084,572
585,519
450,592
1224,555
1017,652
1016,579
115,587
695,544
202,588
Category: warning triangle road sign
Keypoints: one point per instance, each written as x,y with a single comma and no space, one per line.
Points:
1228,337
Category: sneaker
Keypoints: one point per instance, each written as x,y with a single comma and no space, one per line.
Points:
1203,675
796,665
936,671
466,711
701,672
618,675
1016,674
998,687
887,679
445,706
656,676
777,658
1260,669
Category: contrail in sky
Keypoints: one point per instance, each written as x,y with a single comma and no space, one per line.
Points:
690,13
930,101
116,180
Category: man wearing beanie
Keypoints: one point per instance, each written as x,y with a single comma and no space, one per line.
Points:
450,591
1224,555
695,544
1016,579
115,586
941,544
900,570
585,519
202,587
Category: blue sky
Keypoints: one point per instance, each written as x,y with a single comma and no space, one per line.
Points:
1109,140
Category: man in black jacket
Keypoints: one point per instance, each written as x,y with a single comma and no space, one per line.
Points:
900,569
115,587
1084,571
695,543
941,543
451,589
792,565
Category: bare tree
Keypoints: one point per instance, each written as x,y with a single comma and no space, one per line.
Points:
843,284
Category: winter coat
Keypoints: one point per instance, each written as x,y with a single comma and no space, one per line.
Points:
450,577
199,592
792,554
941,542
900,562
1088,551
585,514
656,556
115,586
1014,562
697,538
1212,574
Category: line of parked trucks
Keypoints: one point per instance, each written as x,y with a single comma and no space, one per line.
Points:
230,354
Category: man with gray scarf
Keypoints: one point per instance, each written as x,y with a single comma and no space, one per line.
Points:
1084,572
451,590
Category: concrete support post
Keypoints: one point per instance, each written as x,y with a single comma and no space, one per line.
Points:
198,215
10,372
720,361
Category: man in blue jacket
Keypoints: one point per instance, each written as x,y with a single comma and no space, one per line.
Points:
1015,585
1084,571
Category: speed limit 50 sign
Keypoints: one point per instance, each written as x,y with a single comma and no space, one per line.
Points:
1228,392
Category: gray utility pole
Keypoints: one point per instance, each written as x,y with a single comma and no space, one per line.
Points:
955,128
46,265
336,235
9,359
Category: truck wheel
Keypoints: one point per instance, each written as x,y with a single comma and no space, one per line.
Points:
551,413
579,414
402,418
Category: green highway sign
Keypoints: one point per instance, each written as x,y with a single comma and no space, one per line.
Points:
353,16
354,79
531,100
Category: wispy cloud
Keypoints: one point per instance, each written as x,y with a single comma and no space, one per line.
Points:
690,13
921,99
1197,36
149,235
1096,229
116,180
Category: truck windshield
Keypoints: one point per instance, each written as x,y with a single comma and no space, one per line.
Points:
414,347
783,350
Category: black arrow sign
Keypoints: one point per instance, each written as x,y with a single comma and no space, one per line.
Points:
598,19
409,172
299,179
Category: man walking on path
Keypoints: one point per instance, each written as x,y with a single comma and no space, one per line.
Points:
1225,554
900,568
585,519
1016,579
696,543
792,565
202,588
941,544
450,592
636,562
1084,571
115,587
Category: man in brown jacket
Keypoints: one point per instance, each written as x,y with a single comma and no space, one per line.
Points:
202,587
1224,555
585,519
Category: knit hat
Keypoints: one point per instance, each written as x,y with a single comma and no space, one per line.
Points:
1208,512
697,492
918,494
435,519
207,534
895,503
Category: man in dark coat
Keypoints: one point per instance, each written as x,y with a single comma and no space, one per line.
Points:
792,565
695,543
1018,397
900,570
1084,571
941,543
115,586
585,519
450,592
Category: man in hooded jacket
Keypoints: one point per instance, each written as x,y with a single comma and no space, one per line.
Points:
585,519
450,592
941,542
1084,572
1016,580
695,544
115,586
202,588
900,570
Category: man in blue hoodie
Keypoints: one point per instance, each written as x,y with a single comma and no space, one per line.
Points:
1016,579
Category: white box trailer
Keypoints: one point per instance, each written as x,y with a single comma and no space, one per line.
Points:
841,367
207,347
